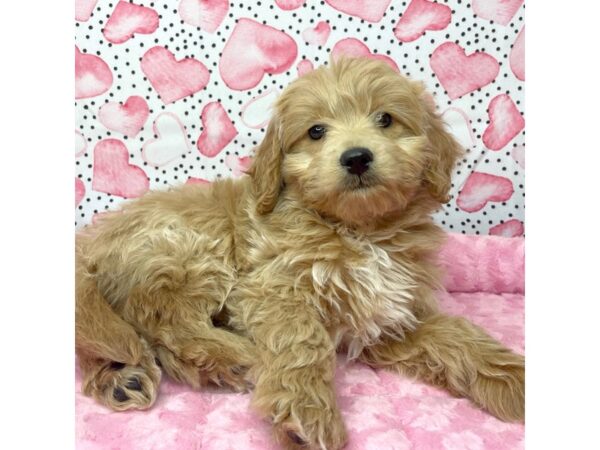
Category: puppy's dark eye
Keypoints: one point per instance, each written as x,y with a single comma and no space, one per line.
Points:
316,132
383,120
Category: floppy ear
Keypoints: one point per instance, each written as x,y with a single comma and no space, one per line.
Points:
443,151
266,169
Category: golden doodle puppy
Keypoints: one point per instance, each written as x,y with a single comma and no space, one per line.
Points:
325,246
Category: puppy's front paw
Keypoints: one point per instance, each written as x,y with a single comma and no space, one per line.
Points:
502,390
308,426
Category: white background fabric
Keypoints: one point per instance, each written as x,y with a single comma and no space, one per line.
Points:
489,204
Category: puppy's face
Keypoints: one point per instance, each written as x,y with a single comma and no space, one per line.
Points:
354,141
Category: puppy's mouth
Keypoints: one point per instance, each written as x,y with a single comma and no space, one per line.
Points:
359,183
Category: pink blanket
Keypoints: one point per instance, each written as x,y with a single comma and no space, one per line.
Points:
383,411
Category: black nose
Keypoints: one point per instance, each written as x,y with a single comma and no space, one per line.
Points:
357,160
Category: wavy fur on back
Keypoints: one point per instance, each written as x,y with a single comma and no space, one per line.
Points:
259,281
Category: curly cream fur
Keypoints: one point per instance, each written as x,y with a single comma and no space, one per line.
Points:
259,281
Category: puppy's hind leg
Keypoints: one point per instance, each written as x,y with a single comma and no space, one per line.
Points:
118,385
210,355
118,367
453,353
175,312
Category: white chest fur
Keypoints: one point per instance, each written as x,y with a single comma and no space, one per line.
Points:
371,291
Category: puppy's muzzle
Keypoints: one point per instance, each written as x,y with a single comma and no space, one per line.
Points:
357,160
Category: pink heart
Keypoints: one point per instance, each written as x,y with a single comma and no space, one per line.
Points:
170,143
194,180
517,56
128,118
317,35
206,14
238,165
80,144
460,74
172,79
252,50
304,67
79,191
481,188
354,48
92,75
112,172
288,5
127,19
419,17
218,130
84,9
499,11
371,11
510,228
505,122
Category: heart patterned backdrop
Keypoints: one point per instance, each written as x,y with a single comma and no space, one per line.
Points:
172,92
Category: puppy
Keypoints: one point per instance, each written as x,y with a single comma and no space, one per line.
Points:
325,246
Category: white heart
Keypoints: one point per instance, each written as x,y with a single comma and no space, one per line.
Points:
518,154
257,112
171,141
458,123
80,144
238,165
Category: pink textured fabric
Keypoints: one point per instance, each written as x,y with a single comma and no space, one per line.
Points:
382,410
484,263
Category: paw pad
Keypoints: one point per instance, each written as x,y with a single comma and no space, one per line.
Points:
120,395
134,384
293,436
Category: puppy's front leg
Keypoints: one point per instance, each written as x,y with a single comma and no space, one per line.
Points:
453,353
294,383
